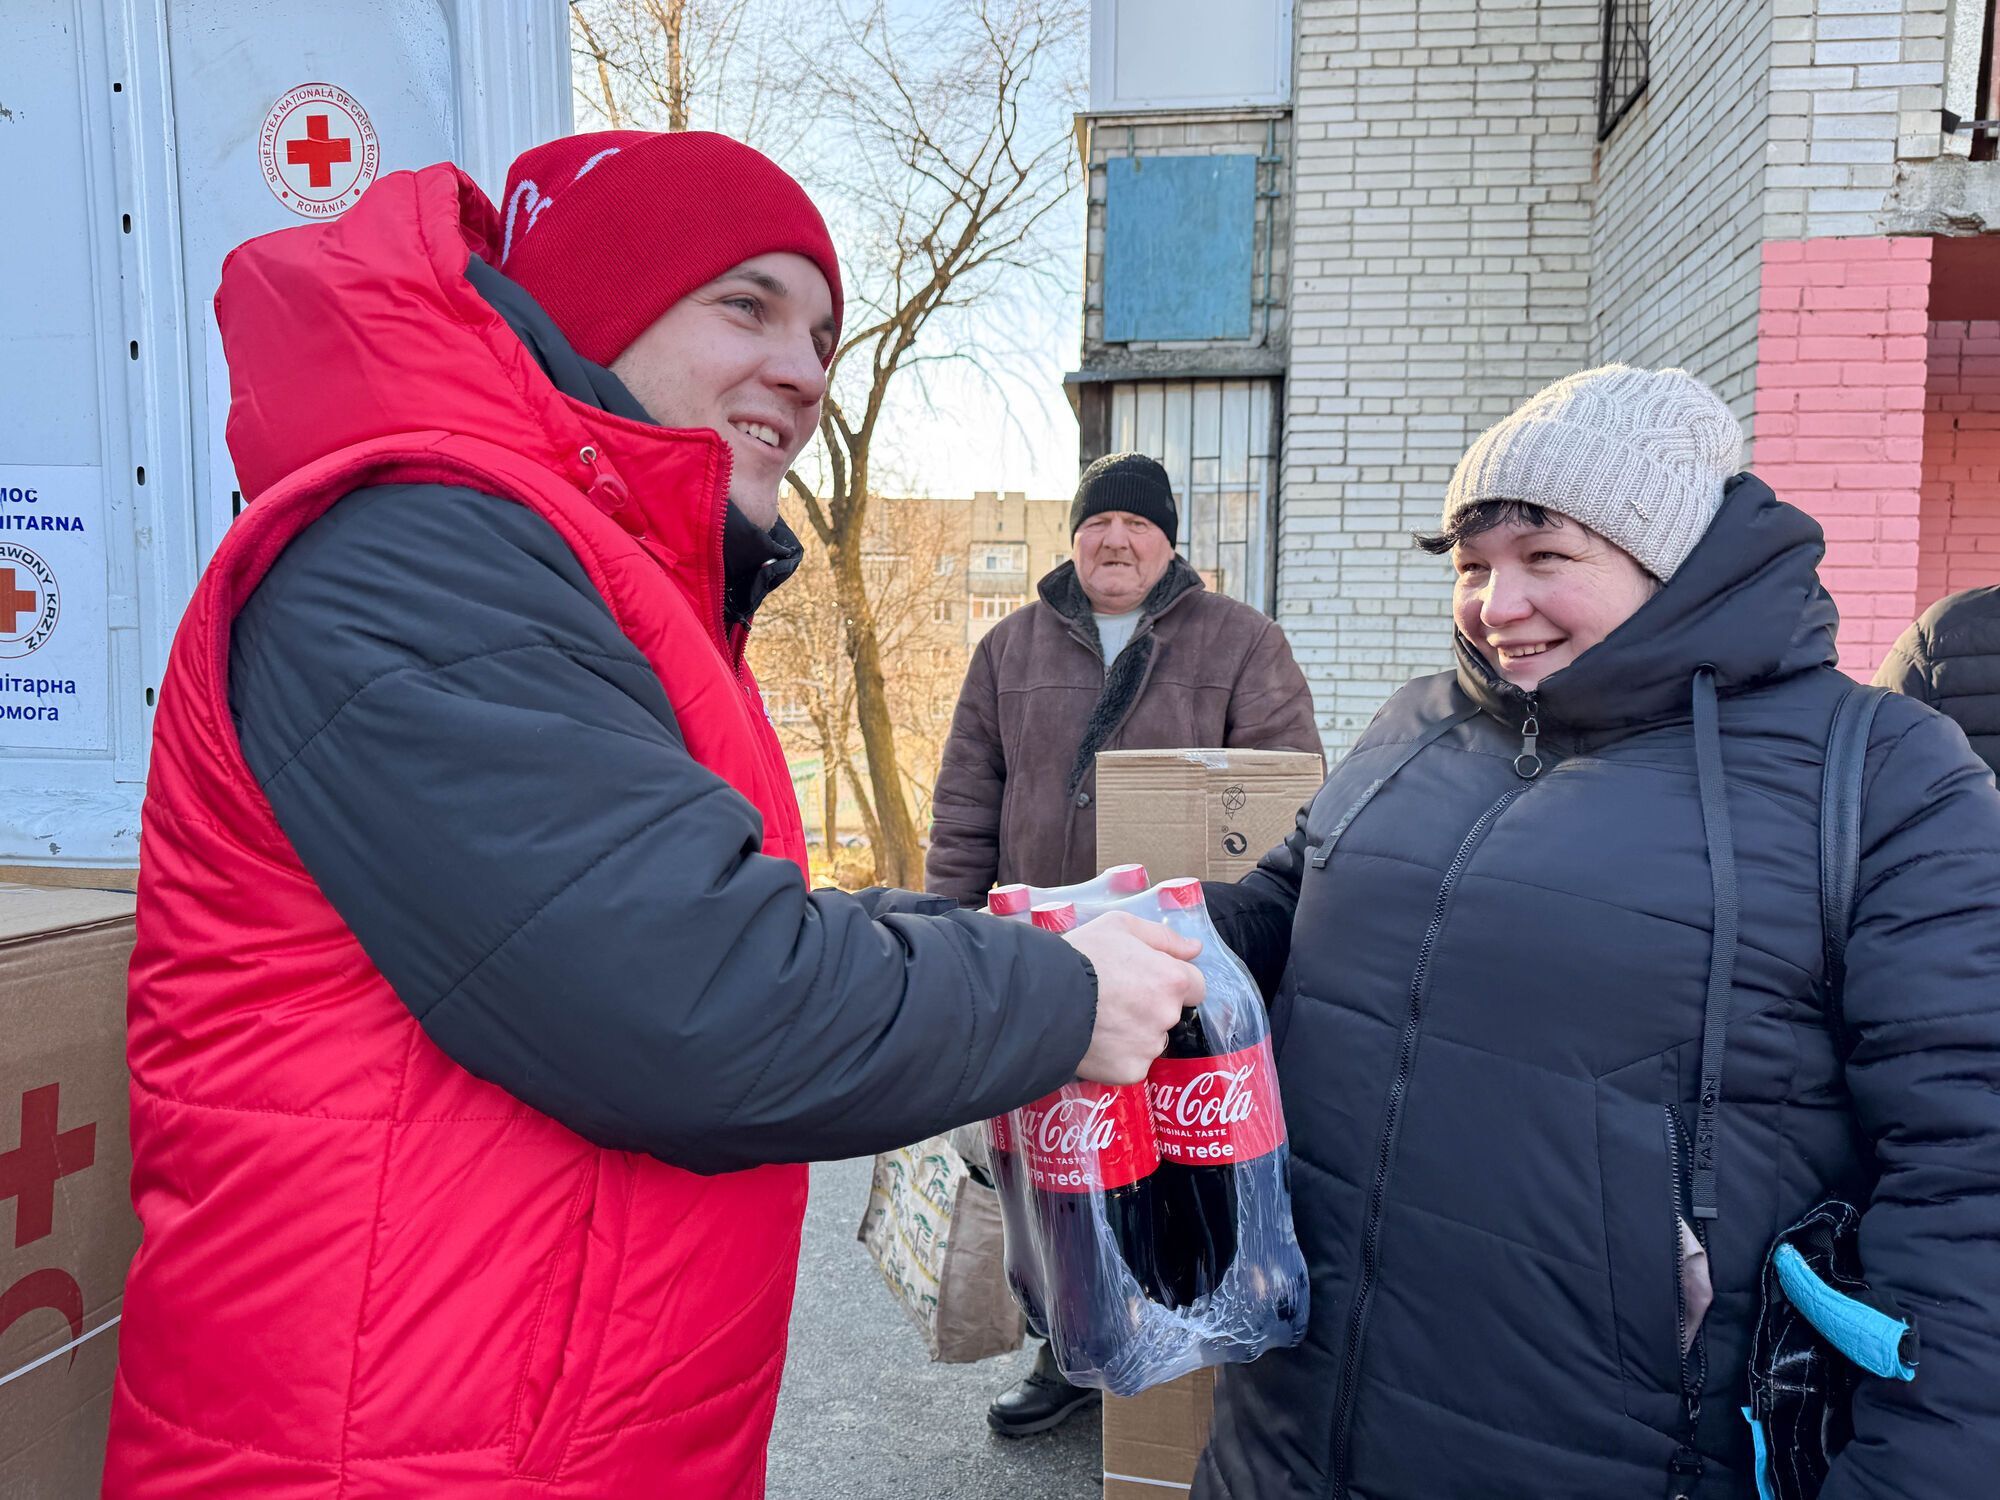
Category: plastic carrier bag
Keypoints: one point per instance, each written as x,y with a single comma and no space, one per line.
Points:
1149,1227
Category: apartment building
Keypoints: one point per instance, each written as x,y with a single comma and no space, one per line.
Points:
1331,240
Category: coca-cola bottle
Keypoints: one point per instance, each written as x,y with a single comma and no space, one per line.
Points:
1220,1132
1021,1244
1085,1154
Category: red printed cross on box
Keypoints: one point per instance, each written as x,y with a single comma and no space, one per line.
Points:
29,1173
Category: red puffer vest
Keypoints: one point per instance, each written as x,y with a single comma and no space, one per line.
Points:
366,1273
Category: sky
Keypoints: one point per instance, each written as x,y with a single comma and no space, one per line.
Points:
998,418
1010,428
1017,433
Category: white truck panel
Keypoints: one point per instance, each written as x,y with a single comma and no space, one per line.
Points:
141,140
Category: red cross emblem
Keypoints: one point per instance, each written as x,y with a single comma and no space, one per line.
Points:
14,602
29,1173
318,151
29,601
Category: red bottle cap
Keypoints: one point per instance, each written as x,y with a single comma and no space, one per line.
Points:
1127,880
1182,895
1054,916
1008,900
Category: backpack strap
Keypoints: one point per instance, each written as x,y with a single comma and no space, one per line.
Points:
1840,830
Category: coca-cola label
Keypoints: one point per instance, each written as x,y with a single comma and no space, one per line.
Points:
1216,1111
1083,1136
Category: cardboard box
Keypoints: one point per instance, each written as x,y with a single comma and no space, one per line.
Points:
1211,814
91,877
1151,1441
1208,813
67,1231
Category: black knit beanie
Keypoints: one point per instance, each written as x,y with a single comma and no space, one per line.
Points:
1128,482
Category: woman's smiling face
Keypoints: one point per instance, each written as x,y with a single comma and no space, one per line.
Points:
1532,599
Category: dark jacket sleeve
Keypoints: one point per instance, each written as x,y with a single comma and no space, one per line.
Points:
1907,667
964,857
1271,707
489,784
1254,914
1922,1007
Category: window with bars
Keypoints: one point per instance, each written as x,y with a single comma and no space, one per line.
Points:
1626,66
1217,442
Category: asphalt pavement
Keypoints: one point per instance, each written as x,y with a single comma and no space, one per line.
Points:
865,1415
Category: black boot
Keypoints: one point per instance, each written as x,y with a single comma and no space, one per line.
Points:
1041,1400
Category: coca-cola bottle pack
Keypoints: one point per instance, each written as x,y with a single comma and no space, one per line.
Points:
1149,1229
1078,1168
1223,1189
1023,1248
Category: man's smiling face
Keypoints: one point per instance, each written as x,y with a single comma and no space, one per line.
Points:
744,357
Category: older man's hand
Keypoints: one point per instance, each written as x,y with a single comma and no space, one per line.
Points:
1144,982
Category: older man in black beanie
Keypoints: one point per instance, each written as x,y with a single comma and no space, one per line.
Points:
1124,650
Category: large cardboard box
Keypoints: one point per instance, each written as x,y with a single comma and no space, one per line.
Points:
67,1232
1208,813
1152,1440
1211,814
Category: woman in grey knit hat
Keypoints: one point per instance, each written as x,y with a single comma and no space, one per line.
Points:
1584,1011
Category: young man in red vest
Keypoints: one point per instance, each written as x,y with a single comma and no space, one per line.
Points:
480,1015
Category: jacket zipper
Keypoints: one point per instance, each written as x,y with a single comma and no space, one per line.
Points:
1528,764
1371,1234
1684,1469
1675,1157
611,496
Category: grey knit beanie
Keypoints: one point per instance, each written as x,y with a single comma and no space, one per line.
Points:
1638,456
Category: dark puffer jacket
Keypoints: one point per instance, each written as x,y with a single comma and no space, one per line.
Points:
1490,1025
1950,659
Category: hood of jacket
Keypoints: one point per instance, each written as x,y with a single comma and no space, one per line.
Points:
389,322
1747,603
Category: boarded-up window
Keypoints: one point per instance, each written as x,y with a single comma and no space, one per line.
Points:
1178,238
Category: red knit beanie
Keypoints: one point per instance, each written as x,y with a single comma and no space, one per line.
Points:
608,230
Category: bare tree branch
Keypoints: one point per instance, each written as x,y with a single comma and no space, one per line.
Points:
937,141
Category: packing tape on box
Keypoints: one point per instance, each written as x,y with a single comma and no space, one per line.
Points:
36,1364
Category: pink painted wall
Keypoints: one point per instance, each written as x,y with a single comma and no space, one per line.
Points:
1958,543
1843,347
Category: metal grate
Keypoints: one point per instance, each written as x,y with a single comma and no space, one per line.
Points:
1626,66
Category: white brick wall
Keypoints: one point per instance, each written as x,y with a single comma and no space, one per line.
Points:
1678,219
1442,183
1855,88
